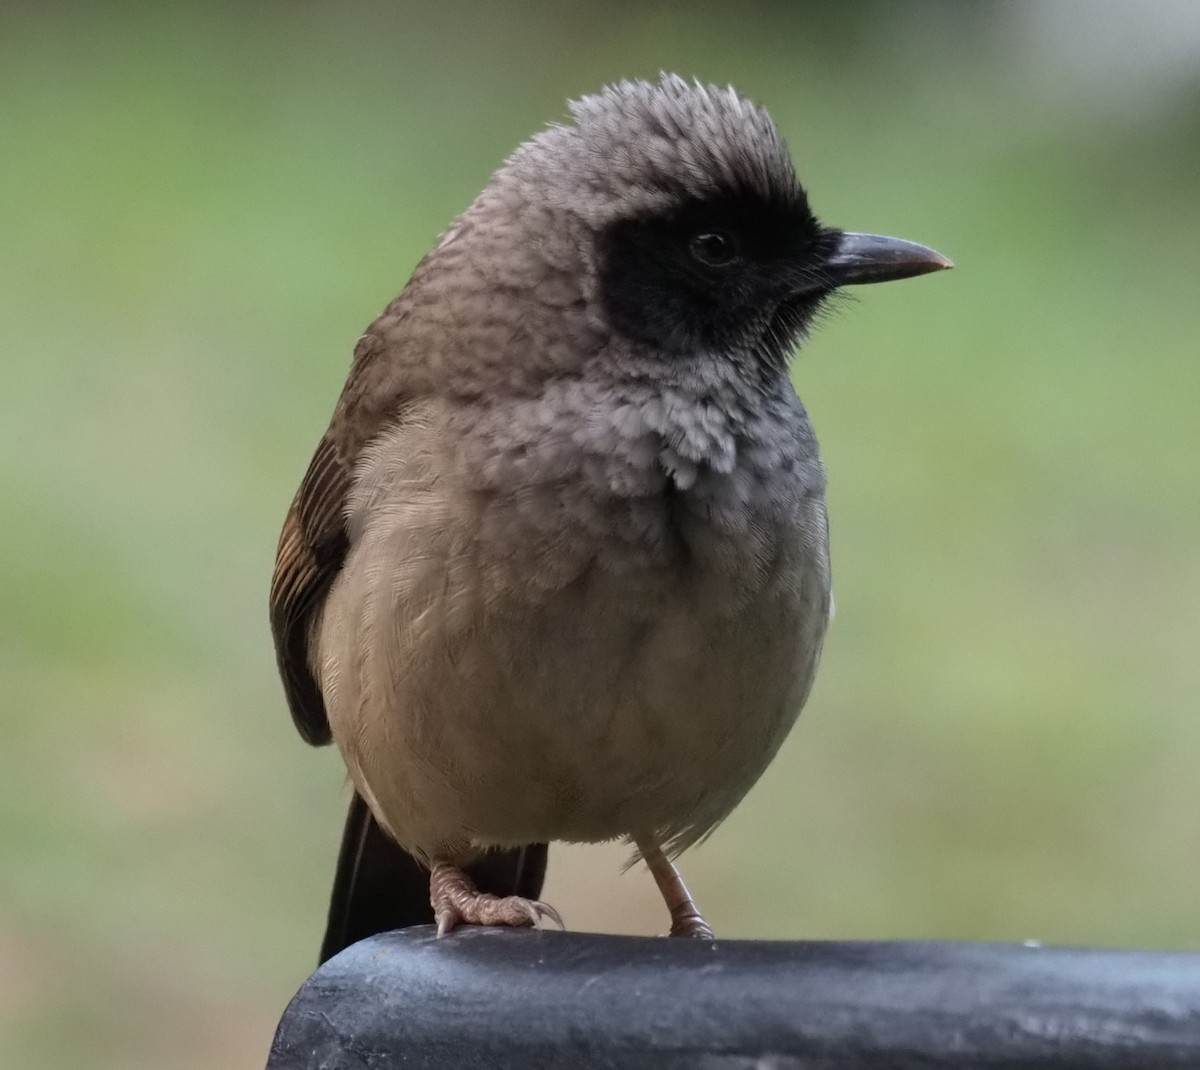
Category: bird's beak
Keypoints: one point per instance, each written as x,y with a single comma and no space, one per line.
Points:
861,258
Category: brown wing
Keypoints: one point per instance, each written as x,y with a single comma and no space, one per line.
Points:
313,543
311,550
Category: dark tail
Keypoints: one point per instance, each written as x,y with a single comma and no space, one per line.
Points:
379,886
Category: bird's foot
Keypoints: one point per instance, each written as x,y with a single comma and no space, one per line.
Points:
456,901
690,924
686,919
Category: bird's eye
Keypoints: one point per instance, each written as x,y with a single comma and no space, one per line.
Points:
715,248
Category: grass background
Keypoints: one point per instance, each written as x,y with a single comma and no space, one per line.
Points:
203,205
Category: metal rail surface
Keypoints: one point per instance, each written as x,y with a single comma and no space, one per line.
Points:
497,999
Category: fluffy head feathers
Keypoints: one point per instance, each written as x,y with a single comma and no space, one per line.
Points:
641,146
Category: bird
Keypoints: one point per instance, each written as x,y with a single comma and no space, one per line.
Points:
559,567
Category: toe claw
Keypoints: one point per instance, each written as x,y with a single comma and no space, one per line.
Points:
544,911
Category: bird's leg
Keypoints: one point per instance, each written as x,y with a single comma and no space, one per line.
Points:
686,919
456,900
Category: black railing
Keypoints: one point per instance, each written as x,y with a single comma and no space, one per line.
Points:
494,1000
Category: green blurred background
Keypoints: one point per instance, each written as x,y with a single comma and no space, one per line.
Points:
200,209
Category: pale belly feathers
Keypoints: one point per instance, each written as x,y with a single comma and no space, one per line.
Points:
565,664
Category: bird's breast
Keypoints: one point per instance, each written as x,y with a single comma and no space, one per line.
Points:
576,632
